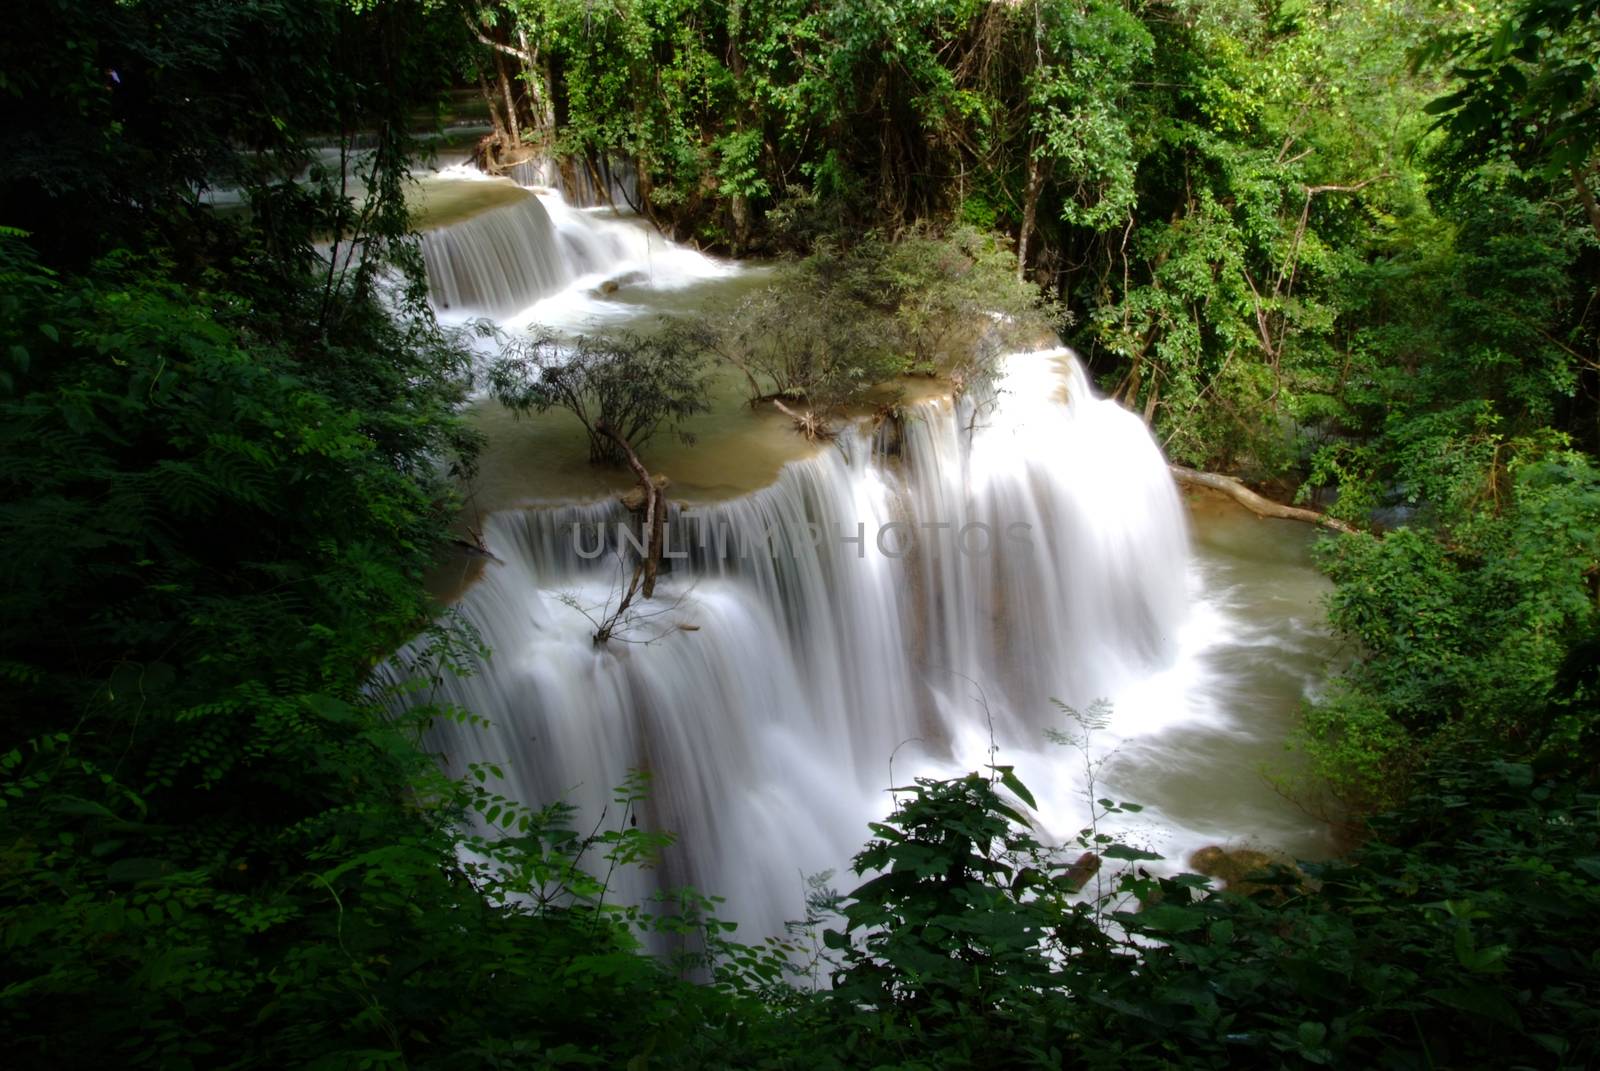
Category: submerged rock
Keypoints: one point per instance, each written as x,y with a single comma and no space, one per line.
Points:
612,285
1235,868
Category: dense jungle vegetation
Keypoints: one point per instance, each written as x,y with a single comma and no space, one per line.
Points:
1348,250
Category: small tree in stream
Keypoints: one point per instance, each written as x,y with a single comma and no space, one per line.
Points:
623,386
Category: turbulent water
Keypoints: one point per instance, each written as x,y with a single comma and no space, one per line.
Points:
1037,551
898,604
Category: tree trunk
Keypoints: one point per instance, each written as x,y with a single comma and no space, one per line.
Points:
739,204
596,179
538,99
654,510
1030,213
1586,196
1262,507
808,423
1030,197
740,208
502,136
511,103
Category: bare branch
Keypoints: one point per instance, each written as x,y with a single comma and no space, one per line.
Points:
515,53
1263,507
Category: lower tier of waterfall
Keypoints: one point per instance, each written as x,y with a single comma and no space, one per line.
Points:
863,611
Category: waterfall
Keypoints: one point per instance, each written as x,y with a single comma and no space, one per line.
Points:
540,259
618,183
1016,548
498,261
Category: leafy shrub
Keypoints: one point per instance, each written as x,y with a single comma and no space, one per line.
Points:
629,383
1466,626
850,317
1461,936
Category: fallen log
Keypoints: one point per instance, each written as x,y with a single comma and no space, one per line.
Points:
1262,507
475,550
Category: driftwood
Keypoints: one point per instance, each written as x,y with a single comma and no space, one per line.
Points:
475,550
807,423
1263,507
652,506
1076,876
654,514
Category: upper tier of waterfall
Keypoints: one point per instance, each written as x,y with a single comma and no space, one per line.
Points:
497,262
533,258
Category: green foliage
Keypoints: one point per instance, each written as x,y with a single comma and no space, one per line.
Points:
621,384
1458,937
739,171
957,952
1529,92
803,342
1468,627
117,116
205,551
228,462
1253,227
1472,313
963,900
1466,619
1082,111
1461,402
851,317
224,844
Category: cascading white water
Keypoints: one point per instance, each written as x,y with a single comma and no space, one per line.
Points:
496,262
616,184
789,657
1098,599
801,639
511,262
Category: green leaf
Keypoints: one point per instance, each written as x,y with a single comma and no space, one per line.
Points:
1482,1000
133,871
1169,918
1440,105
75,806
1516,774
1018,789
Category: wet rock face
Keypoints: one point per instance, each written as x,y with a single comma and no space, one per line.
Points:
1235,868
